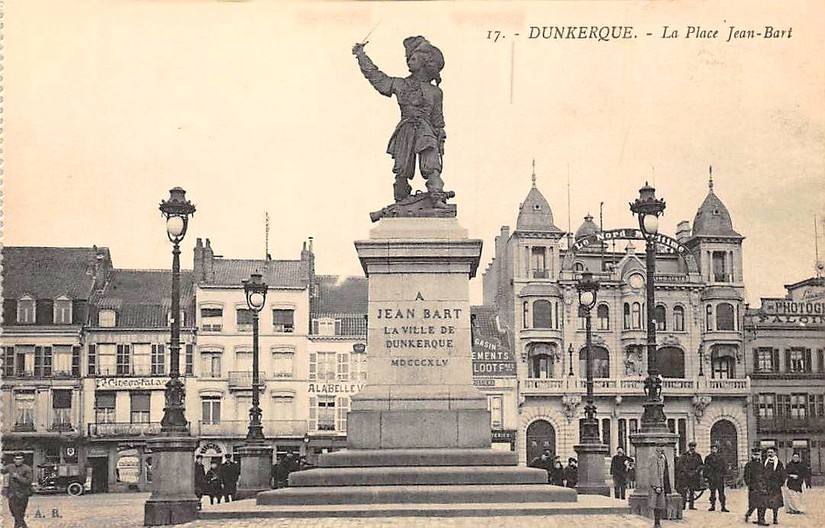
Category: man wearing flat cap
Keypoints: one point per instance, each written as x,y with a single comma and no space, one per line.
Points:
754,477
691,464
571,473
420,133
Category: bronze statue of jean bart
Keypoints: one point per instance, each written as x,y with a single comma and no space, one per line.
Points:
419,133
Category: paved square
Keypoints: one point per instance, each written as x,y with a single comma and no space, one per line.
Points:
126,511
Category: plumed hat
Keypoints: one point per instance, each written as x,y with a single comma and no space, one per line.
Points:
419,43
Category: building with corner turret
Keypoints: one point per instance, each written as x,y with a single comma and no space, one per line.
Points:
699,313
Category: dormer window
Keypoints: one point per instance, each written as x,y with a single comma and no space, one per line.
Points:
62,311
326,326
26,310
106,318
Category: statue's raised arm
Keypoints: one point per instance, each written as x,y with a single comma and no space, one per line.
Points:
420,132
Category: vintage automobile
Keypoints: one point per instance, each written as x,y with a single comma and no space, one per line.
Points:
73,479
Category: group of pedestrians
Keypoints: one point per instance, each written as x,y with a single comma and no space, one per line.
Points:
289,463
690,468
765,482
220,481
557,473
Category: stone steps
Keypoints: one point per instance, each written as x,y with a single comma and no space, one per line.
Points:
417,457
417,476
426,494
247,509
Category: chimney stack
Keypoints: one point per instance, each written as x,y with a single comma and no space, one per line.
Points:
208,262
683,231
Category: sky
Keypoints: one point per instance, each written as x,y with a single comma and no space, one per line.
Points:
256,107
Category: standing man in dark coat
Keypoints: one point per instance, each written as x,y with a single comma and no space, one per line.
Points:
715,469
557,473
691,463
571,473
618,469
230,473
200,479
774,478
19,489
755,481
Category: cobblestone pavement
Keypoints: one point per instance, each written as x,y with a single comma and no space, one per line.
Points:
126,511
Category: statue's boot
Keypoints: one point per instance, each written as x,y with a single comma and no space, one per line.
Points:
401,188
435,186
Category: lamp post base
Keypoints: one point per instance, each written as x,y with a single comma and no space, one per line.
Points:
645,443
591,469
256,470
173,498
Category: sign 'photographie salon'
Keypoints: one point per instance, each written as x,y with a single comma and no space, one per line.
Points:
785,311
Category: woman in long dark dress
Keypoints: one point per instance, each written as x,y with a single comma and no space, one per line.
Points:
798,474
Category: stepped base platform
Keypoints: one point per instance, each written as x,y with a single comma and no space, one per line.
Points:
247,509
439,480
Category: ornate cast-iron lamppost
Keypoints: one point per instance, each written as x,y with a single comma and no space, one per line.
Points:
653,432
570,356
256,454
177,210
173,499
590,450
588,289
255,290
648,209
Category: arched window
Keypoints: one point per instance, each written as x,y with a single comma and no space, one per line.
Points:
724,317
601,362
626,321
541,361
660,314
671,362
678,319
542,314
708,318
525,315
723,362
603,314
637,316
578,266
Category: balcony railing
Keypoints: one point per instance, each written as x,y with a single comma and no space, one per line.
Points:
670,277
242,379
630,386
125,429
238,428
790,424
62,427
23,427
54,374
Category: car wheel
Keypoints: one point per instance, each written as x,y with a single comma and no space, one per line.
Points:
75,489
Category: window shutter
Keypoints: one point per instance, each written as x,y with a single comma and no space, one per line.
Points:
315,326
92,367
313,413
313,366
808,364
788,360
756,360
343,367
820,356
76,361
341,408
775,360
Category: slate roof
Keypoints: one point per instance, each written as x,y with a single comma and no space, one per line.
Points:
535,213
485,321
587,228
712,218
49,272
276,273
338,294
143,298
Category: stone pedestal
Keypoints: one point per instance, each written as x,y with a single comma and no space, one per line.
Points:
591,469
419,432
256,470
645,443
173,498
419,356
